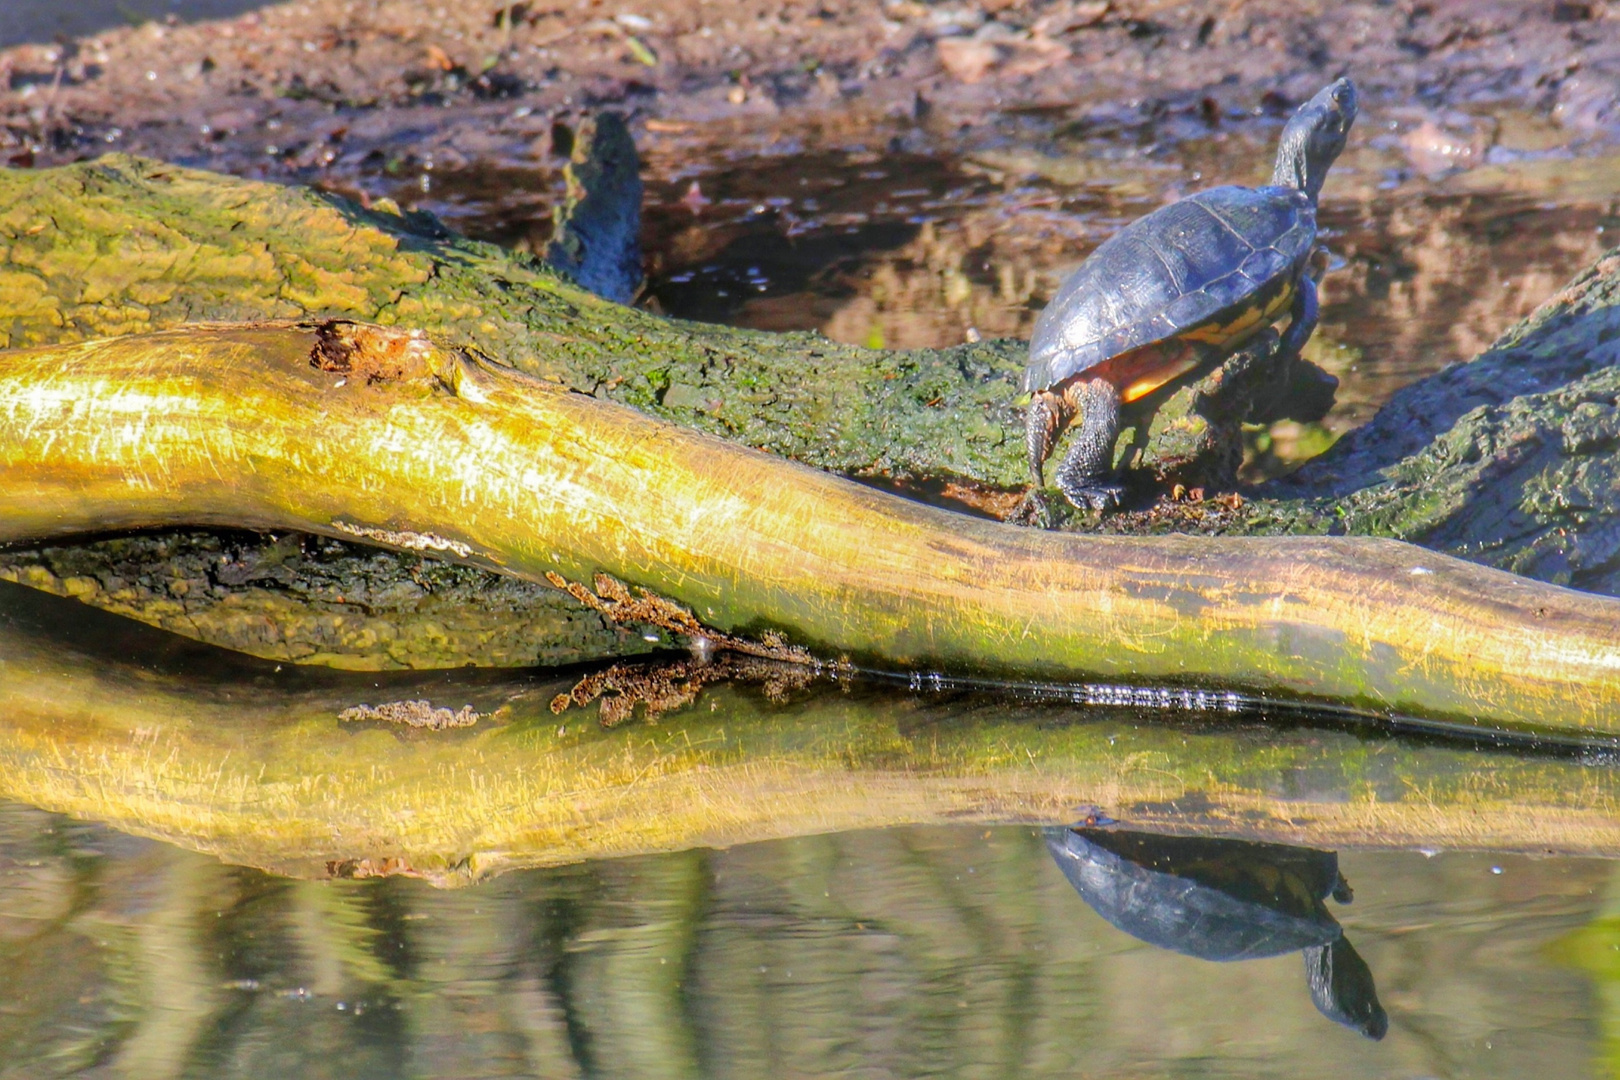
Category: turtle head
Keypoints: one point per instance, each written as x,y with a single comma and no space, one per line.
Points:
1313,138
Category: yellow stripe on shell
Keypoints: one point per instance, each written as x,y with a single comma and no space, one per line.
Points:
1247,322
1217,334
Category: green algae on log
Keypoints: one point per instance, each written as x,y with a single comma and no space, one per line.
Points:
1506,461
251,762
123,244
355,431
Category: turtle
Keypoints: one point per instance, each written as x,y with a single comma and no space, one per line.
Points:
1219,899
1176,292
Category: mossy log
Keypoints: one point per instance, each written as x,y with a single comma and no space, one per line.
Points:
350,430
254,763
125,245
1506,461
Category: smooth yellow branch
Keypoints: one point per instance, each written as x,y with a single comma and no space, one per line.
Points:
379,435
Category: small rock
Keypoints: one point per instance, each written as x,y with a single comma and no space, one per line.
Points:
955,18
966,59
1067,18
694,199
1436,149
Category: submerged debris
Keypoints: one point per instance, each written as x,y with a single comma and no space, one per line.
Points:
779,668
664,687
419,714
390,866
613,600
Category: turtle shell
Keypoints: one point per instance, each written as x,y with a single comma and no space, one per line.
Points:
1220,261
1209,898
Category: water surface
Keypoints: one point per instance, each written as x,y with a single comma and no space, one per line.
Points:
943,951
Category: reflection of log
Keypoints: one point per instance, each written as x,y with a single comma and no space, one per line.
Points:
232,756
383,436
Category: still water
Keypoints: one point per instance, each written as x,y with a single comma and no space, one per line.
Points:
939,951
959,950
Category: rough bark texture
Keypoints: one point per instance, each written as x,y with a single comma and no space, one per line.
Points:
1506,461
314,600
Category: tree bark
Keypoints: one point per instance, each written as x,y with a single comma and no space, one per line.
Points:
1506,461
382,435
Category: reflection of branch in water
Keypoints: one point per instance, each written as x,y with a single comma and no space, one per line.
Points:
672,684
419,714
1226,900
779,668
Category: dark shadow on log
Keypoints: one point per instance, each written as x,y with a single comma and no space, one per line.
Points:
1567,340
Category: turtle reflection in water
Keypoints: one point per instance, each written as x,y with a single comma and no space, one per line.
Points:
1226,900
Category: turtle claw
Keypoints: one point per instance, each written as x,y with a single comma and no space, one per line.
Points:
1102,497
1033,510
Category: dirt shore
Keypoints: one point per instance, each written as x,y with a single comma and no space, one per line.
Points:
300,89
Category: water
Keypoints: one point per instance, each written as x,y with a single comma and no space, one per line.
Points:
938,951
957,948
899,248
917,950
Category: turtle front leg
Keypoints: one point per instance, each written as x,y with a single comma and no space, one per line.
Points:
1301,390
1088,467
1048,415
1042,424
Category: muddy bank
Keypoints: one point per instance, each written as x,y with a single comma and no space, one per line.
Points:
311,88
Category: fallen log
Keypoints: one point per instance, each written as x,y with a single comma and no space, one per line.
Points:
1506,461
254,763
381,435
128,245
